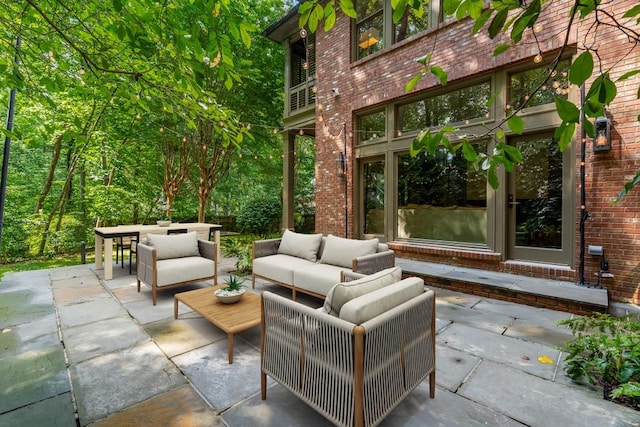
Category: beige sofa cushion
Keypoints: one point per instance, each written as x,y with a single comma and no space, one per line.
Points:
279,268
342,293
174,245
185,269
317,278
303,246
368,306
340,251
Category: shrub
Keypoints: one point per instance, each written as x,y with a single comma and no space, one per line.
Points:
606,351
260,217
240,248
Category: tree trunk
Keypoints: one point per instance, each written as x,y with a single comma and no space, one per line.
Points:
57,148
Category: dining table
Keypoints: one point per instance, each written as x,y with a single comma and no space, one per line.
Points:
104,238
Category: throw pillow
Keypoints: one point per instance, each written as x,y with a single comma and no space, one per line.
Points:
341,252
174,245
342,293
299,245
368,306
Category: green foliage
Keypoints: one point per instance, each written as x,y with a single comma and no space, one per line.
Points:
260,216
233,283
606,351
239,247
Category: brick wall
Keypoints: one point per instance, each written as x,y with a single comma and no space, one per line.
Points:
381,78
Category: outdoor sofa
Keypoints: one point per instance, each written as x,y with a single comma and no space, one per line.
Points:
165,261
312,263
354,359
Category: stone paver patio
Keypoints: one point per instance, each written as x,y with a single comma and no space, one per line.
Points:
78,350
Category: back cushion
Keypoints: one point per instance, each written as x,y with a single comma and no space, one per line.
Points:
341,252
303,246
342,293
368,306
174,245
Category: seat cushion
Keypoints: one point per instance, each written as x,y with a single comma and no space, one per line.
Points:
340,251
185,269
279,268
174,245
303,246
368,306
317,278
342,293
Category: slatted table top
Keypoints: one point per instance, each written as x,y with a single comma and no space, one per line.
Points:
231,318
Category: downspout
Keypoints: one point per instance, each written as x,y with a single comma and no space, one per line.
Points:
346,180
584,214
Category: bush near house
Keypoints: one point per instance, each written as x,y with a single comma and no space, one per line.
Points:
606,352
260,216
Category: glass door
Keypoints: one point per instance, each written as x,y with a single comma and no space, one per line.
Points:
373,194
538,209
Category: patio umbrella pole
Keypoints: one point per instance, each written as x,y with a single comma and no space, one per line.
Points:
7,145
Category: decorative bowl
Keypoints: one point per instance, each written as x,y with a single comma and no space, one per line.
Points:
228,297
163,223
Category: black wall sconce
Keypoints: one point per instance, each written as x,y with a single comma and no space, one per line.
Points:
341,165
602,142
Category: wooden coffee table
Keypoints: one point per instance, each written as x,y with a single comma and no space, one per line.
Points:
231,318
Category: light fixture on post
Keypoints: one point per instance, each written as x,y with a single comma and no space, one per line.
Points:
341,165
602,142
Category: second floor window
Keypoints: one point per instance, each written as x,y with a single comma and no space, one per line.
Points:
375,28
369,26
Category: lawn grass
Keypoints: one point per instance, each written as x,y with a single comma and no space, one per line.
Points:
43,263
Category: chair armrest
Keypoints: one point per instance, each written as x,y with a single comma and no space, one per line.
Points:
369,264
349,276
146,262
208,250
145,253
265,247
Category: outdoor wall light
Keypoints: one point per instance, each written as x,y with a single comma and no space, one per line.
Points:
341,165
602,142
335,91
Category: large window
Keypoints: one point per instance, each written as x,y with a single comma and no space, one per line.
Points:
441,197
457,106
537,87
371,126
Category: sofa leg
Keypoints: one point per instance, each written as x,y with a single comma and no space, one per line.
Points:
153,295
263,385
432,384
138,285
253,281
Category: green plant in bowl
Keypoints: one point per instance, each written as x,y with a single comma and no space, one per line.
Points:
232,291
233,284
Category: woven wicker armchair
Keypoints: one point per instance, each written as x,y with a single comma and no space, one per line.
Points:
351,374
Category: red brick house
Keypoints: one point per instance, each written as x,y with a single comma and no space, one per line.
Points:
346,87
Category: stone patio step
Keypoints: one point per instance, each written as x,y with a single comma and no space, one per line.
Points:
546,293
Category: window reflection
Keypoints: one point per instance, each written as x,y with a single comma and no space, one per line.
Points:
374,197
441,197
